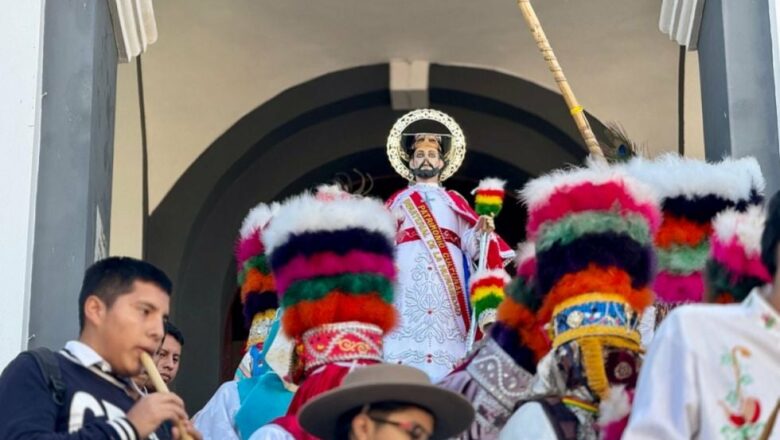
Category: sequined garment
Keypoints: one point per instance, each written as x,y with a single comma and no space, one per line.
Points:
494,384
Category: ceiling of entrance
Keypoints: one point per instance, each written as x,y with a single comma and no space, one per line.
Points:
217,60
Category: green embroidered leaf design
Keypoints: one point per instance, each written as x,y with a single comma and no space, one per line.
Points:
731,398
746,432
727,359
746,379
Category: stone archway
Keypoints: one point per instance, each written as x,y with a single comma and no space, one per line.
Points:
300,138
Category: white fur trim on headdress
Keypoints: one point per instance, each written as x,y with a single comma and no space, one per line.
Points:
485,274
526,251
331,192
490,183
258,218
539,190
308,213
746,227
671,176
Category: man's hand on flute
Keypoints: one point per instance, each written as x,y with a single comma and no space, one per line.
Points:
153,410
171,404
189,428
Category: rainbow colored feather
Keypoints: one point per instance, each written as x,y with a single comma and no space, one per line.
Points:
332,256
258,291
693,192
487,291
735,265
517,330
489,196
592,228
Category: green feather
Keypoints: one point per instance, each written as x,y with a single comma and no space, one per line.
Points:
486,303
354,284
523,293
719,280
683,260
259,262
574,226
487,209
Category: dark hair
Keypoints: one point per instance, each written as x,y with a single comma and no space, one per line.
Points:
771,235
382,409
344,423
109,278
171,330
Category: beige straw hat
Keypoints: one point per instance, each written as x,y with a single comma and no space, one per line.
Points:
387,383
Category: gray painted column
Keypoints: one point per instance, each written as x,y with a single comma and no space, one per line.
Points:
76,154
737,84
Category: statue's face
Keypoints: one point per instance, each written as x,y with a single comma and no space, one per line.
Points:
426,162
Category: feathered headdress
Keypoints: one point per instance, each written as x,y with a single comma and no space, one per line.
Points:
332,259
693,192
593,228
516,329
489,196
735,265
487,286
258,294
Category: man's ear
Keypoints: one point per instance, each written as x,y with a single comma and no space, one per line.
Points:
94,310
361,427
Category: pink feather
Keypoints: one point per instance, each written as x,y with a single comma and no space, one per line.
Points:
587,196
249,247
330,264
527,269
733,256
670,288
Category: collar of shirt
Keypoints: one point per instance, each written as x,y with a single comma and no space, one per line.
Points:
87,356
758,307
426,185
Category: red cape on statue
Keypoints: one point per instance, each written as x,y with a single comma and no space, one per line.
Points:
498,251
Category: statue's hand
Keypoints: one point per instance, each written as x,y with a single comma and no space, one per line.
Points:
486,224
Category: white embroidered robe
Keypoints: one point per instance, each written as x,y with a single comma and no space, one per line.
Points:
429,335
688,384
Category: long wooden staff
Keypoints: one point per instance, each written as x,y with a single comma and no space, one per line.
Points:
770,423
576,110
159,385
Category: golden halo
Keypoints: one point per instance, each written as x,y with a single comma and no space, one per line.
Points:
398,157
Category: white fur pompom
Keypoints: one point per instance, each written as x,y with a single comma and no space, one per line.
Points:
311,213
616,407
258,218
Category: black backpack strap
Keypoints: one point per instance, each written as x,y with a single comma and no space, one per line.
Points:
50,368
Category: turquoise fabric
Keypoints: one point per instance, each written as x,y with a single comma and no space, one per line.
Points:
263,396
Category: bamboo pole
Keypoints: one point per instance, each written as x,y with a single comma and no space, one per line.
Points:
161,387
770,423
576,110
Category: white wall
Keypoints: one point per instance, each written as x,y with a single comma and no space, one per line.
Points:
126,197
21,52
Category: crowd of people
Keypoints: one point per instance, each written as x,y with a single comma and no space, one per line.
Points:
644,304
